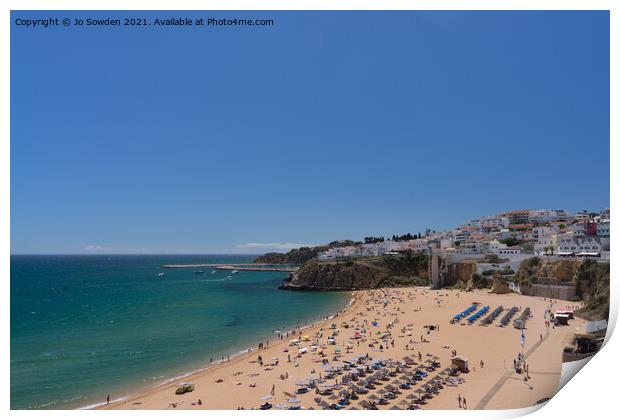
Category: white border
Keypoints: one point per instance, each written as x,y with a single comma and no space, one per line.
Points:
590,395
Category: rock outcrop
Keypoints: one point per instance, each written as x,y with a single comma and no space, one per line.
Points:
360,273
500,287
459,272
590,278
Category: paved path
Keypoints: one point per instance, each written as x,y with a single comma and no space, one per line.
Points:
491,393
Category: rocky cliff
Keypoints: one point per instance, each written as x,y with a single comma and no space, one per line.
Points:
361,273
590,277
535,268
460,272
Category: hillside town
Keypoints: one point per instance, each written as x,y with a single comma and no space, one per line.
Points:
511,235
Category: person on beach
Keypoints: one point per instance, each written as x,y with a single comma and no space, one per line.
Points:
459,400
108,399
273,389
464,403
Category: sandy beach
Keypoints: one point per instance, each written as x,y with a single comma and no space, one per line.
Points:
385,332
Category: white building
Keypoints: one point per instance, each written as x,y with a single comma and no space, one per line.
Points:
420,245
602,228
509,251
489,223
495,246
547,216
544,231
339,252
569,243
506,233
546,240
369,250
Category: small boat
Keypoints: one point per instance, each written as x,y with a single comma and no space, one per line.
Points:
213,271
161,274
235,271
199,272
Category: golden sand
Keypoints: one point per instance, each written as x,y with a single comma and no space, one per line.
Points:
243,382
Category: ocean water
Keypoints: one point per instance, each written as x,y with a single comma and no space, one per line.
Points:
83,327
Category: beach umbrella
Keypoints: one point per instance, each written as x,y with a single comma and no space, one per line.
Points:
294,400
395,407
372,397
266,397
381,391
311,408
281,406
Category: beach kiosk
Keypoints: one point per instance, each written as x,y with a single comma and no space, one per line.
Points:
461,363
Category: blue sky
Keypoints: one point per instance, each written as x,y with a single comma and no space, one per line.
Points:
325,126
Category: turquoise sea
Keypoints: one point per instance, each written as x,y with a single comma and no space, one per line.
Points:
83,327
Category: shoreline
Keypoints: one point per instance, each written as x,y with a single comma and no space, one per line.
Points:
235,357
405,315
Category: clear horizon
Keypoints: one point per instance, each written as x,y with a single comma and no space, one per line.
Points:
329,125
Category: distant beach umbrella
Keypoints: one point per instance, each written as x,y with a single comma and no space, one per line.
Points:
266,397
294,400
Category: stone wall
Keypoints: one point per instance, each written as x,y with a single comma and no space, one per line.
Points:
553,291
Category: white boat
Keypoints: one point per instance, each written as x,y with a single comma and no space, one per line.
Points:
212,271
161,274
235,271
